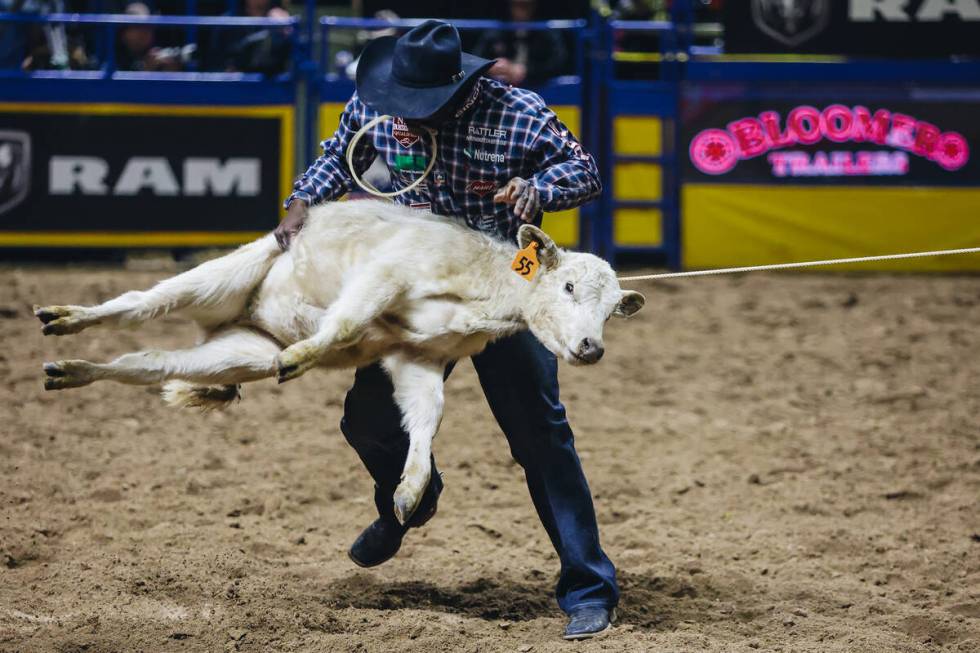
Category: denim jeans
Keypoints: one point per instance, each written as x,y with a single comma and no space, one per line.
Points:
520,380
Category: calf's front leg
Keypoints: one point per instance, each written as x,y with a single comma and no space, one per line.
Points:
361,300
418,392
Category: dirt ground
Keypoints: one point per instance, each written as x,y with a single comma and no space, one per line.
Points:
779,463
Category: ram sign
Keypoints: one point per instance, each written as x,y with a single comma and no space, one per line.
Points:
130,175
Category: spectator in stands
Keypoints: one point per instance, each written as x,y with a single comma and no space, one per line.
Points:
136,49
525,57
39,46
261,50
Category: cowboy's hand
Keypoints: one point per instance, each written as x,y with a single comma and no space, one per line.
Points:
523,196
291,224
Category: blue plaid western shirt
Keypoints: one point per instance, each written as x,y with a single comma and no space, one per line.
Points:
499,133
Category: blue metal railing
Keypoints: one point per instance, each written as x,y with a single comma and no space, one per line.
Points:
110,24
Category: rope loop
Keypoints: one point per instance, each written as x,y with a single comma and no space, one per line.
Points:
367,185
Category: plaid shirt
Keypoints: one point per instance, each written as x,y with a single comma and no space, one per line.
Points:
500,132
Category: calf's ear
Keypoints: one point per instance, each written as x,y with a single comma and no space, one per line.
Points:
629,304
548,252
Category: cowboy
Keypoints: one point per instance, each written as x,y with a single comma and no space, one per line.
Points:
502,158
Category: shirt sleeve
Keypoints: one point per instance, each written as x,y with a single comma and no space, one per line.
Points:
567,175
329,177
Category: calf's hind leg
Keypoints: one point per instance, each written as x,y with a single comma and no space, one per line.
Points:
228,357
216,289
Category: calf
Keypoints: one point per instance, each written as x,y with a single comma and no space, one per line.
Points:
364,281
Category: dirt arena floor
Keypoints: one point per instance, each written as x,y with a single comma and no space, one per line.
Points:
779,463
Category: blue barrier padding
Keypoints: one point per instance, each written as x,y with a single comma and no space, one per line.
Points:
643,98
147,91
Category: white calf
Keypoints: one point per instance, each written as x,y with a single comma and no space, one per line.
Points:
364,281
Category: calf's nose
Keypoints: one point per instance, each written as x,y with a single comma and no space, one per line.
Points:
590,351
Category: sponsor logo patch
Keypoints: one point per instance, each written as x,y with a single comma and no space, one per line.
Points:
410,162
485,156
481,187
486,135
791,22
402,133
15,168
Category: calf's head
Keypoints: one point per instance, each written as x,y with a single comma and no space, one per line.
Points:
573,296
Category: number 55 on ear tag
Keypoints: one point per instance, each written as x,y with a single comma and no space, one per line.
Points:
526,261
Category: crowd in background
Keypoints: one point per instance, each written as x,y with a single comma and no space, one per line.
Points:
148,48
524,56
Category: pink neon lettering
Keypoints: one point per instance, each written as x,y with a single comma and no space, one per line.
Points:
749,136
770,120
836,122
871,129
717,151
901,134
805,123
926,139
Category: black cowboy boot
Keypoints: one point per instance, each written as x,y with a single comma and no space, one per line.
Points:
589,621
380,541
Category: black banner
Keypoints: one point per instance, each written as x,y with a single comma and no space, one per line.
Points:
832,137
71,172
891,28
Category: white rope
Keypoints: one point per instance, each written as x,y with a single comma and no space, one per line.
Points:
805,264
367,185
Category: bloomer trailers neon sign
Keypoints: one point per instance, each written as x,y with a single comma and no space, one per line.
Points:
718,151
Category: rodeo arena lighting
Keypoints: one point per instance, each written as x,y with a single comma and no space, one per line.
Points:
337,204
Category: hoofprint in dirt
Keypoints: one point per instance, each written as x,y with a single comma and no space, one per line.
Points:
779,463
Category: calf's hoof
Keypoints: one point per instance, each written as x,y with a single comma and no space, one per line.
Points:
407,497
294,361
61,375
61,320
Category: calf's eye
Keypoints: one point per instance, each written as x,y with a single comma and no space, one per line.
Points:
570,287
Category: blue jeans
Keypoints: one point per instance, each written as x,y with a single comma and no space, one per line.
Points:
520,380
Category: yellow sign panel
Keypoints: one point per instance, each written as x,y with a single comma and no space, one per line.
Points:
735,225
638,180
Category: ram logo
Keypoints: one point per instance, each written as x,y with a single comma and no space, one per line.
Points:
791,22
199,176
15,168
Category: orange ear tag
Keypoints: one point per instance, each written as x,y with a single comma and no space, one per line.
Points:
526,261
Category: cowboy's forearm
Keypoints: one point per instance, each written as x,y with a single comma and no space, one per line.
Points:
329,177
568,184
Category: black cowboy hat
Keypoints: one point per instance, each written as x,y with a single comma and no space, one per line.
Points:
415,75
